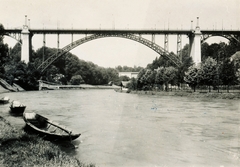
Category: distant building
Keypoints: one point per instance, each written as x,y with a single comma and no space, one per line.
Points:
129,74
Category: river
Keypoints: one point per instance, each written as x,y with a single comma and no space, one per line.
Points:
119,129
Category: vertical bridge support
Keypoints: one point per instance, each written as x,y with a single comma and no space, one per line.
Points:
195,45
26,43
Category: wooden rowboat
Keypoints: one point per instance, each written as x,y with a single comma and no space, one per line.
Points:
47,129
4,100
17,107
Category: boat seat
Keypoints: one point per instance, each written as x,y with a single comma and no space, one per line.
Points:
30,116
34,122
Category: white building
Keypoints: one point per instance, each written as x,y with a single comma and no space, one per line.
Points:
129,74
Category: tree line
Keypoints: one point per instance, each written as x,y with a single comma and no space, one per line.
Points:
220,66
68,69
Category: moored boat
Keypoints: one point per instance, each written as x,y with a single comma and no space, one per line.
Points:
48,129
4,100
17,107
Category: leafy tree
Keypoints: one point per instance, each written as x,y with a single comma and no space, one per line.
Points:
15,53
155,64
112,74
140,78
150,76
204,51
4,57
76,80
192,76
124,78
128,69
32,77
236,60
238,76
170,75
232,48
159,79
132,85
186,63
227,73
209,73
166,76
161,62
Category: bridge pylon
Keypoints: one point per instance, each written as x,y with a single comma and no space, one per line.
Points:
195,44
26,43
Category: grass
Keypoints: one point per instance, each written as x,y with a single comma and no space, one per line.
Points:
20,149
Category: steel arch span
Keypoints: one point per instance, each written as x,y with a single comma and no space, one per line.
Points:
17,37
230,37
139,39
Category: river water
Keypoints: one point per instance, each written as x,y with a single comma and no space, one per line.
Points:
121,129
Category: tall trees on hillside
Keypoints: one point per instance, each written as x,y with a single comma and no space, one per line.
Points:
4,56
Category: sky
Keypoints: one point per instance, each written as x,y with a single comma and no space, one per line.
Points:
118,14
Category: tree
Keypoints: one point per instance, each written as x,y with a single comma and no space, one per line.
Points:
4,57
227,73
204,51
192,76
238,75
186,63
209,73
132,85
159,76
124,78
166,76
76,80
149,78
112,75
170,75
140,79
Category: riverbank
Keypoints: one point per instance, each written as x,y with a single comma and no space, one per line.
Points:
44,86
3,90
20,149
191,94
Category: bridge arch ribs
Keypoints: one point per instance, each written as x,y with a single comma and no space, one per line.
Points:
133,37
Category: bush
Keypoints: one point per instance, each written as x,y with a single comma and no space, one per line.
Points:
76,80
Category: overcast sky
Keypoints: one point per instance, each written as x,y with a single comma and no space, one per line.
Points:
118,14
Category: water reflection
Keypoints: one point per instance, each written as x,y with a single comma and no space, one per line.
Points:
143,130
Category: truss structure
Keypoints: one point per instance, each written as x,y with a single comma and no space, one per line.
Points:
133,37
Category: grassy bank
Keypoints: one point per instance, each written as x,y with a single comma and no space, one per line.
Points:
191,94
20,149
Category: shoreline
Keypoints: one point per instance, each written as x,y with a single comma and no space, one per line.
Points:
3,90
18,148
215,95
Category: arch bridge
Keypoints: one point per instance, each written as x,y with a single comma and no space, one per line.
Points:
133,37
196,37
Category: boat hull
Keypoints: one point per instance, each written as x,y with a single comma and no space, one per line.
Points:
47,129
17,110
50,137
4,101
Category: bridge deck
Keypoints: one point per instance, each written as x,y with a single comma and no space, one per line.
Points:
93,31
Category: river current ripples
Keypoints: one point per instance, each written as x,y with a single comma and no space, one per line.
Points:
121,129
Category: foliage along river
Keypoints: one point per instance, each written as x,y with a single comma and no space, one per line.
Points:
121,129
